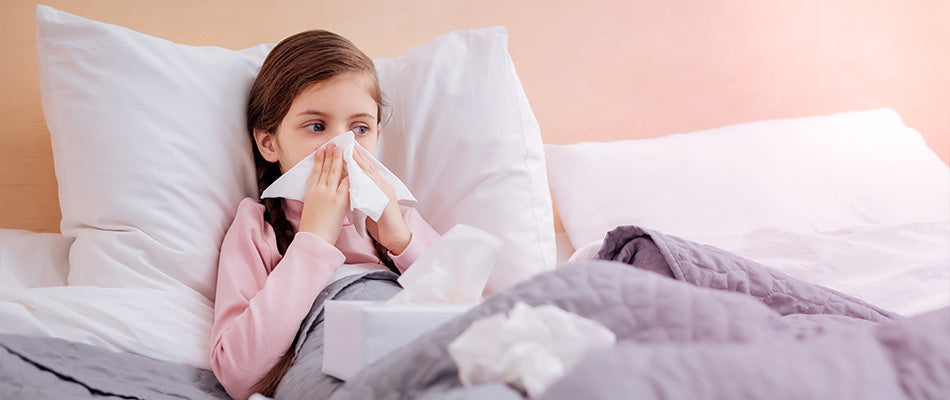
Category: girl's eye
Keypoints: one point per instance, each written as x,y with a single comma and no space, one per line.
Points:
361,130
315,127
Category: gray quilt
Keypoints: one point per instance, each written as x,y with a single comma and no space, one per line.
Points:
691,321
45,368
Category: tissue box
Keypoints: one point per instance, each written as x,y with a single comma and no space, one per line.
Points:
356,333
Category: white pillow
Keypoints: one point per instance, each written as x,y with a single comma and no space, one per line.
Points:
152,155
464,139
150,149
804,175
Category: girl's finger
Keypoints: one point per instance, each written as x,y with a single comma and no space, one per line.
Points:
369,168
365,164
336,168
318,157
327,164
344,185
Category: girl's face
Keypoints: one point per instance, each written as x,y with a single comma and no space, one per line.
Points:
319,113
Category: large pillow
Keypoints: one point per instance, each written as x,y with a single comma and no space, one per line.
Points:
464,140
803,175
150,150
152,155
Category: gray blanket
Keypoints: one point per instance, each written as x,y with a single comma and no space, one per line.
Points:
724,327
305,379
46,368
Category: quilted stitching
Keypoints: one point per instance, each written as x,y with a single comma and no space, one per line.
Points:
638,306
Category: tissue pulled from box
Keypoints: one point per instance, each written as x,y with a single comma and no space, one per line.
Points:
529,349
453,270
366,198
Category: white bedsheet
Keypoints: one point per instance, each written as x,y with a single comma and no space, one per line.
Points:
165,325
152,323
904,268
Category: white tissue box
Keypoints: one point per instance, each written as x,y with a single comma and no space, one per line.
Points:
357,333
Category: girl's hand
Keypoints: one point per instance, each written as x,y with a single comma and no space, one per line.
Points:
391,230
328,197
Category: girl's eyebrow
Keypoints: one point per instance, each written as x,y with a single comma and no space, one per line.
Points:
362,115
325,115
313,112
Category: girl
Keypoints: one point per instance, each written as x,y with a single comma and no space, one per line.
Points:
277,256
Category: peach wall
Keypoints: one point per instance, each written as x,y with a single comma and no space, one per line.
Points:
598,70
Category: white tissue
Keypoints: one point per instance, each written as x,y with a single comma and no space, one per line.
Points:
454,270
366,198
528,349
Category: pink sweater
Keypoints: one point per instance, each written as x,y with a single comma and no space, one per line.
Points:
262,297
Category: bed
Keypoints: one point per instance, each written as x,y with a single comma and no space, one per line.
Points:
776,250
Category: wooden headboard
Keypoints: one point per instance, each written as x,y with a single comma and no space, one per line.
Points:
600,70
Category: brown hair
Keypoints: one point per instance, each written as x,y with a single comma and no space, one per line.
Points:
293,65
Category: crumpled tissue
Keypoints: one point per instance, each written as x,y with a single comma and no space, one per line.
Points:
366,198
529,349
446,281
454,270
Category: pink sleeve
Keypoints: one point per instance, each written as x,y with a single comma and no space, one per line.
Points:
422,237
256,315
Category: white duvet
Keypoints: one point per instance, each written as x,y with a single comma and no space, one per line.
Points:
161,324
149,322
903,268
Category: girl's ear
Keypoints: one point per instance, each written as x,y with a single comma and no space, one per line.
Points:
267,144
